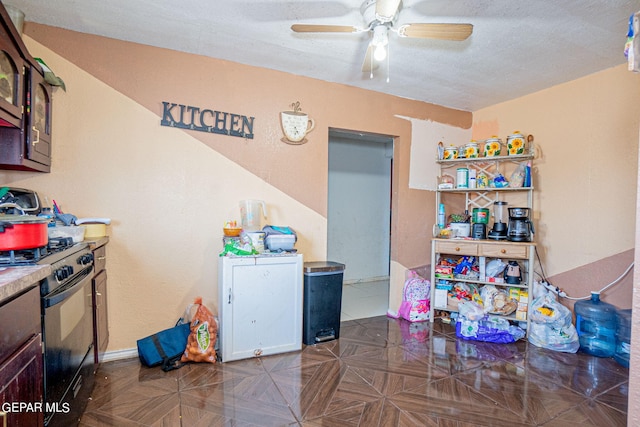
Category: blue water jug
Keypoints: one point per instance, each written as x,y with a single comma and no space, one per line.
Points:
623,337
596,325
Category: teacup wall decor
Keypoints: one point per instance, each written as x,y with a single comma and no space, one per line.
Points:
295,125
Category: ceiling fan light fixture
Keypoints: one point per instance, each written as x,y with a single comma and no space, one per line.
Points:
380,41
380,53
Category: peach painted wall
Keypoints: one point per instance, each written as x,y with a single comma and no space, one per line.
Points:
586,175
169,189
586,139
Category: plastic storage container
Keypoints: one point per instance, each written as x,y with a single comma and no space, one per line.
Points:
322,303
596,325
623,337
76,232
280,242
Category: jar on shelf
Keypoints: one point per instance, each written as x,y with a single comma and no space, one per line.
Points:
451,153
515,143
492,147
482,180
471,150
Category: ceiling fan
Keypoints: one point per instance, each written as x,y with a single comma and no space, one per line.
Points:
380,17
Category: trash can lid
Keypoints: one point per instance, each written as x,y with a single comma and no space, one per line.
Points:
322,266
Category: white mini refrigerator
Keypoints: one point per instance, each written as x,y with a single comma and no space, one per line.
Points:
259,305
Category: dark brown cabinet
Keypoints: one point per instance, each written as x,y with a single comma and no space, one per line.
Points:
11,84
38,129
100,318
21,361
22,379
25,105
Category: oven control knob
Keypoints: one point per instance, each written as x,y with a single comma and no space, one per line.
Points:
64,272
86,259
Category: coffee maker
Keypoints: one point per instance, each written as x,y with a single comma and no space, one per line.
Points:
520,226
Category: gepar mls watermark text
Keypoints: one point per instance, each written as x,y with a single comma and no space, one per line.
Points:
48,407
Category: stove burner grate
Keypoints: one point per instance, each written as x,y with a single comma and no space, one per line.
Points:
22,257
32,256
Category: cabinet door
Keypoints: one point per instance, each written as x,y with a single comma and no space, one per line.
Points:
39,119
11,87
21,382
100,319
261,306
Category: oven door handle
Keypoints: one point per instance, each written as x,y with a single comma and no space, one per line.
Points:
56,298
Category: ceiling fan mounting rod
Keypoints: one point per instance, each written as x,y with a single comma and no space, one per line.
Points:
380,11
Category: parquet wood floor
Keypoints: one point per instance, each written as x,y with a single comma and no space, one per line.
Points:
380,372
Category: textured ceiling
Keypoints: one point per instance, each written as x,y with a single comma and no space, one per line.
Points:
517,46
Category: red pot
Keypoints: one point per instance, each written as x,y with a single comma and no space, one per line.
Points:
22,232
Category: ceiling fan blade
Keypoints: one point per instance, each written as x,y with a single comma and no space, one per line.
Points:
387,9
309,28
369,64
456,32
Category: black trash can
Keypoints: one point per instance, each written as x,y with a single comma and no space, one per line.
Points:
322,301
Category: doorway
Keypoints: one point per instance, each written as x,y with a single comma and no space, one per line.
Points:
359,210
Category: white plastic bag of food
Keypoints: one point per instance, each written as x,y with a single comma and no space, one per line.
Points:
550,325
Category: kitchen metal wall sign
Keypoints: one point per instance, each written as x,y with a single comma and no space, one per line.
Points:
206,120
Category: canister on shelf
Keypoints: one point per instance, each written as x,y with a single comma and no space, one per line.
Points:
482,180
515,143
462,178
471,150
480,215
450,153
492,147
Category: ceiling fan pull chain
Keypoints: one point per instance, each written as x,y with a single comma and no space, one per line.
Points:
388,66
371,68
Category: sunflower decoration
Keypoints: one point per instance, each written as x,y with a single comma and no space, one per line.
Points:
471,153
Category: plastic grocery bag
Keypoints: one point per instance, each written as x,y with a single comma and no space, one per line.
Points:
202,339
470,310
550,325
488,329
564,339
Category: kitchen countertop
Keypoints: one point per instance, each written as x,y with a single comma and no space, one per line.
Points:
15,280
97,242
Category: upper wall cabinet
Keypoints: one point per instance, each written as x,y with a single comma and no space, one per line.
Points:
38,129
11,84
25,105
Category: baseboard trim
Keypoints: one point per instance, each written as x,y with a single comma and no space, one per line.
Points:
368,279
128,353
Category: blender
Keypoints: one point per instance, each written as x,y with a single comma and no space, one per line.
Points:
499,230
520,226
